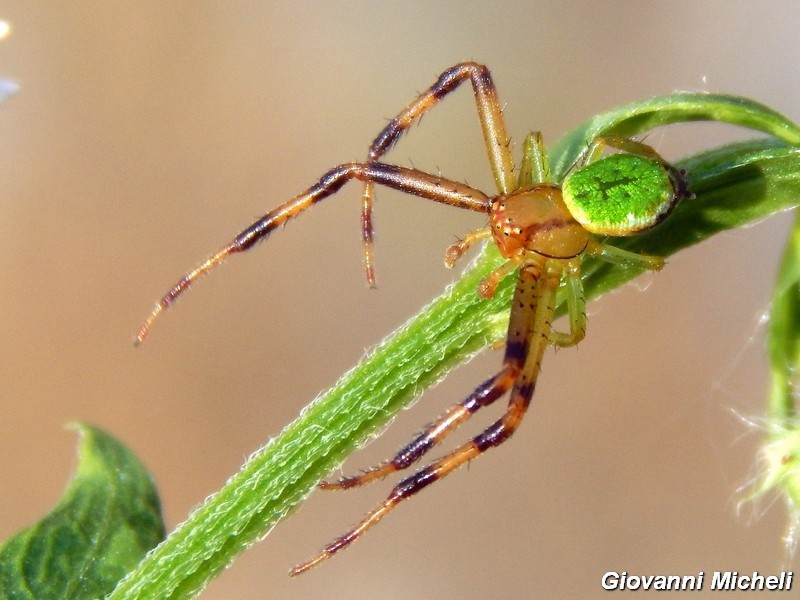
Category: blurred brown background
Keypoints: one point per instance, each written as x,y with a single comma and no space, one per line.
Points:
146,134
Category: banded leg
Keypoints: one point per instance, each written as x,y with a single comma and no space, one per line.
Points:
405,180
484,395
492,124
516,350
534,295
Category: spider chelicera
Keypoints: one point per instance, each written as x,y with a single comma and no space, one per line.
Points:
544,230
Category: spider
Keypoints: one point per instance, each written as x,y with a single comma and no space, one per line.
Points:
542,229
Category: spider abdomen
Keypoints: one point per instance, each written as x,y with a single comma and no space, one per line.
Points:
621,194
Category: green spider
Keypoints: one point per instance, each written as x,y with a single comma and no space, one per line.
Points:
543,229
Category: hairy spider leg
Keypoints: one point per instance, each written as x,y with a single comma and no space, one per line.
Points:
456,250
598,144
405,180
576,308
618,256
528,337
490,114
535,167
436,431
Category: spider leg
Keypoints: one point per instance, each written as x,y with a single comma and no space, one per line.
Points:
490,114
406,180
535,297
622,257
484,395
535,167
516,350
488,286
576,308
455,251
621,143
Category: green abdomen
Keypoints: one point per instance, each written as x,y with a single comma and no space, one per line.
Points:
621,194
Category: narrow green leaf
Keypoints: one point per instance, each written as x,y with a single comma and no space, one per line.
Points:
680,107
107,520
734,185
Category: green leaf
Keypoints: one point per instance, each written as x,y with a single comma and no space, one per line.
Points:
734,185
680,107
107,520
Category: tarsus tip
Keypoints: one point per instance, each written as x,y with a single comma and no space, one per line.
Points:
302,568
139,339
144,330
178,289
370,274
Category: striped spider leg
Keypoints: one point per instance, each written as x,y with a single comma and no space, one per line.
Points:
528,336
406,180
497,147
498,144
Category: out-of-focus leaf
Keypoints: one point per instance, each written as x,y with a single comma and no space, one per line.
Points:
107,520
